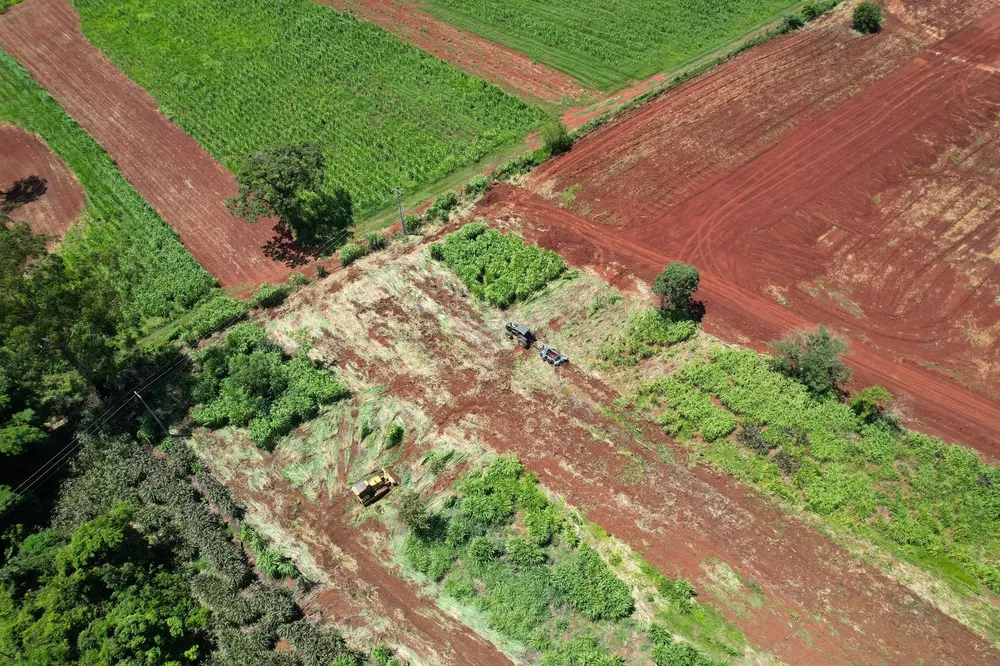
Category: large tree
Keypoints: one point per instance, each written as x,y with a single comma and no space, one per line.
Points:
288,182
675,285
814,358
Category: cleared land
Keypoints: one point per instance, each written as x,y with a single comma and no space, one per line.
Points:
246,77
777,173
408,337
168,168
505,67
601,45
35,185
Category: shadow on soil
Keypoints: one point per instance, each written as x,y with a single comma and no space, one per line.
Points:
22,192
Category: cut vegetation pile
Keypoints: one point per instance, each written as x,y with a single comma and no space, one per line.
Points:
241,77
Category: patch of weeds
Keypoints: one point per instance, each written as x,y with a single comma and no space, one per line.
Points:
646,333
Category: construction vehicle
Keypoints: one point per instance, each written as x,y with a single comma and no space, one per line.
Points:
521,333
374,488
550,355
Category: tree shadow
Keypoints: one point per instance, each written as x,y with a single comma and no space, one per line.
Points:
284,247
23,192
695,310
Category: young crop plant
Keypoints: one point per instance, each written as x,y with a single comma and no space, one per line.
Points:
247,76
497,267
249,382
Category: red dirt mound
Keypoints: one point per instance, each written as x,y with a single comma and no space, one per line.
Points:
471,53
878,215
35,186
178,177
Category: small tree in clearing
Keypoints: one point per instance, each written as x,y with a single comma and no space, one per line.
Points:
872,403
868,17
556,138
675,285
813,358
412,510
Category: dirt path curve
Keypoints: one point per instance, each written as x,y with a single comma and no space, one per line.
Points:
49,204
178,177
469,52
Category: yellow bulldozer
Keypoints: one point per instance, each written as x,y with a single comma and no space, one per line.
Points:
374,488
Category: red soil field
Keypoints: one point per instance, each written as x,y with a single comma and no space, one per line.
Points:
471,53
178,177
57,201
825,177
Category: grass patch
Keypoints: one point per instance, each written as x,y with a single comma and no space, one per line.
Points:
157,277
384,112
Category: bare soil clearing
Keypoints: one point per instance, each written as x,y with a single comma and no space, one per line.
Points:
178,177
471,53
35,185
433,348
822,178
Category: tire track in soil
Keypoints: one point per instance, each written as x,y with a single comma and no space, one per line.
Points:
802,208
178,177
24,156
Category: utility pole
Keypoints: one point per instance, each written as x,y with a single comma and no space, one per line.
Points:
399,203
153,414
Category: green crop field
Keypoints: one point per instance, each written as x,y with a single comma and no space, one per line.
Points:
158,276
243,76
603,43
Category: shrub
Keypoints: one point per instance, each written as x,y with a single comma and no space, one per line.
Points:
646,333
298,279
675,284
520,165
351,253
793,22
787,463
872,403
394,435
867,17
413,224
217,313
813,9
751,436
322,271
522,553
556,139
592,588
412,510
477,186
270,295
814,358
375,241
442,207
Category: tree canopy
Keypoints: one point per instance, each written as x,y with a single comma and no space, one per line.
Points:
675,285
288,182
814,358
868,17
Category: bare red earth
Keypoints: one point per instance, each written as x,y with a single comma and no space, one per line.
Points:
471,53
178,177
23,156
823,178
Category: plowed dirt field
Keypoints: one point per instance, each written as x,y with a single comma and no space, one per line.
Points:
35,186
178,177
826,177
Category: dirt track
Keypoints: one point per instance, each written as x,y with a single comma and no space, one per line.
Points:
169,169
52,206
860,197
471,53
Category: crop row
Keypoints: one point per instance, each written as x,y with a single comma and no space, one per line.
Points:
240,77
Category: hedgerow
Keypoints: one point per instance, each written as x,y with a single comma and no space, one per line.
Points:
249,382
932,503
336,76
497,267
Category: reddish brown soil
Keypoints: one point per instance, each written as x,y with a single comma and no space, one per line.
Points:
813,172
24,156
178,177
471,53
822,606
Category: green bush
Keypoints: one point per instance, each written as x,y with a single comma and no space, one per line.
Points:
580,651
497,267
592,588
556,139
815,359
476,187
646,333
394,435
351,253
442,207
793,22
213,315
867,17
519,166
376,241
270,295
813,9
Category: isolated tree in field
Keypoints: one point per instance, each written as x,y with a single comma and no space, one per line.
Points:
814,358
675,285
556,138
868,17
287,182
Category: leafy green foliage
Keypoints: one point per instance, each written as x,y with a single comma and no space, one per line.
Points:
592,588
521,165
7,4
687,408
813,9
412,510
119,233
602,48
376,241
213,315
442,207
646,333
269,560
351,253
249,382
287,182
667,652
675,284
335,77
933,504
583,650
814,359
867,17
476,187
794,22
270,295
497,267
556,139
872,403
